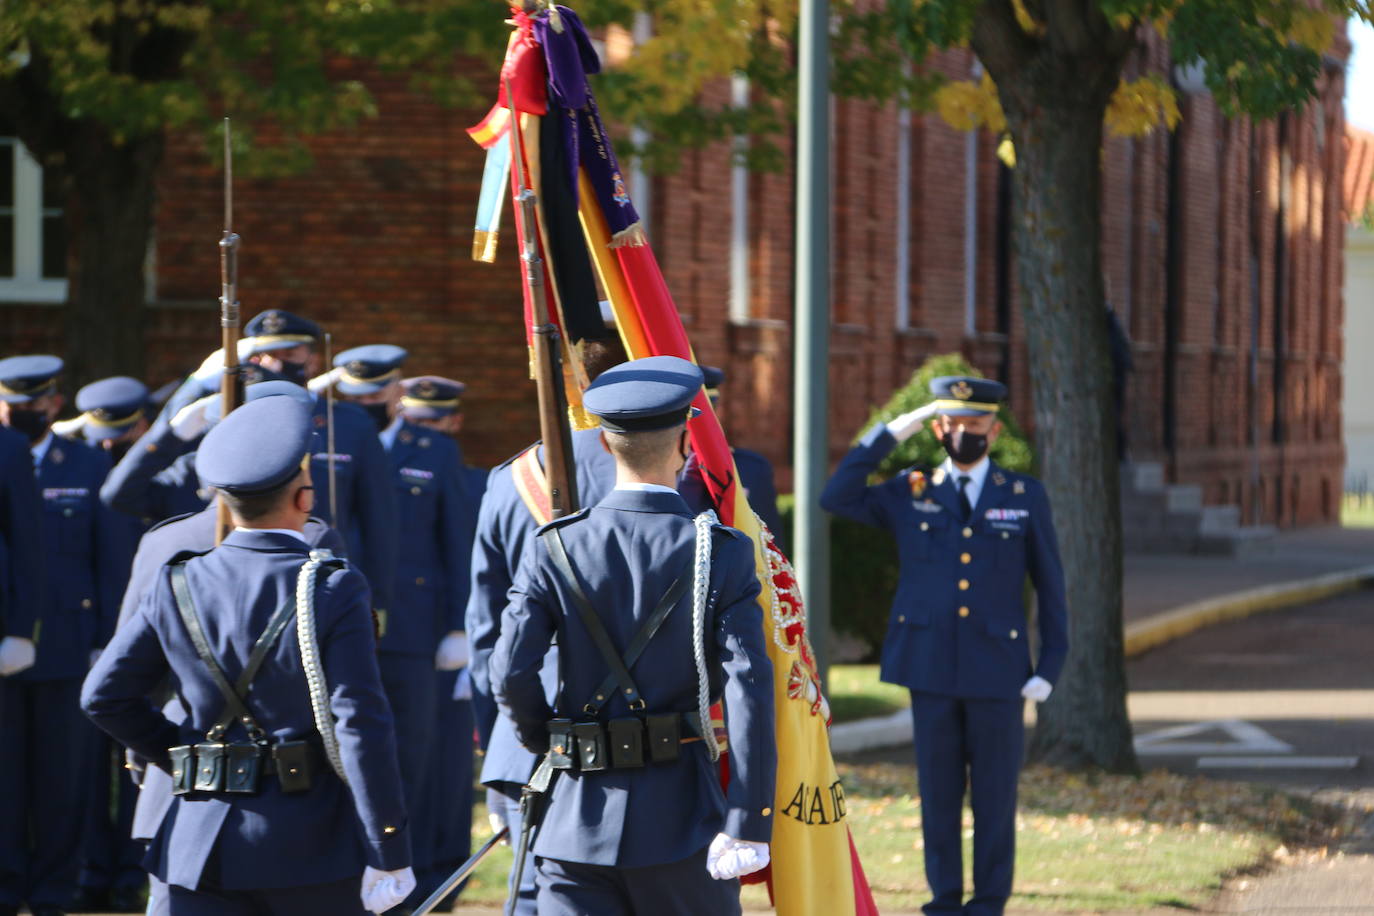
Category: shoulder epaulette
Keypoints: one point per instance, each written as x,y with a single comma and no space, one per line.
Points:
507,462
167,521
723,528
565,520
181,556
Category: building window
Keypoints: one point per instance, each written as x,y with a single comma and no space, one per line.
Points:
33,237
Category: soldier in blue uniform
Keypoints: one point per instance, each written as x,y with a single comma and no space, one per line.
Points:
968,533
424,632
44,759
21,557
433,403
113,416
509,514
755,471
210,613
637,821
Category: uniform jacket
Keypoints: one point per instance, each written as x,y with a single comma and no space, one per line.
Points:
628,550
366,493
21,551
434,519
156,478
87,551
193,532
504,526
958,624
269,840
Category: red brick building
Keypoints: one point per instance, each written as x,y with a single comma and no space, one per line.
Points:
1222,249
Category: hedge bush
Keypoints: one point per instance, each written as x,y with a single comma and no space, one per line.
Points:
863,560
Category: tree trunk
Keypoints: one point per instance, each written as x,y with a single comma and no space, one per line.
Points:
110,224
1055,104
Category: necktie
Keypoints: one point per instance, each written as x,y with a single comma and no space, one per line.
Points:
964,504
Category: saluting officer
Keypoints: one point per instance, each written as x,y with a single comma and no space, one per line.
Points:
637,821
968,533
423,632
434,404
114,414
513,506
45,766
279,717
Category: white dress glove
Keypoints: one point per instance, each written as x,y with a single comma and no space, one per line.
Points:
453,652
321,382
16,654
910,423
383,890
1037,689
69,429
729,858
190,422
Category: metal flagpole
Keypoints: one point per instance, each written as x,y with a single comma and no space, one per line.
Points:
811,348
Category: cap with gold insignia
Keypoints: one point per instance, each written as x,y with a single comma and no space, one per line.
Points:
644,394
257,448
966,396
110,406
24,378
275,329
369,369
430,397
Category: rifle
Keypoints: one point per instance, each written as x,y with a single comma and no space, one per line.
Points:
329,427
548,365
230,386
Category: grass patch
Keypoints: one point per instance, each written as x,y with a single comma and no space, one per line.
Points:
1356,512
1089,843
856,693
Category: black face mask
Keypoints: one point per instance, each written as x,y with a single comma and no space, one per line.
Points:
32,423
292,372
965,447
379,414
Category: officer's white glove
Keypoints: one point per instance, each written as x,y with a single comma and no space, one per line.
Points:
320,382
69,429
729,858
190,422
910,423
16,654
453,652
214,363
498,822
1037,689
384,889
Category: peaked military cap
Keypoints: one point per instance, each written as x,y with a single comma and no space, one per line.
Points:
644,394
966,396
369,369
276,329
275,386
110,406
713,377
430,397
257,448
23,378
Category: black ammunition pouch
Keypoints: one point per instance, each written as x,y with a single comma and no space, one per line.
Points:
625,743
219,767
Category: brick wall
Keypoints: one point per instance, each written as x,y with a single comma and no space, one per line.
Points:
374,243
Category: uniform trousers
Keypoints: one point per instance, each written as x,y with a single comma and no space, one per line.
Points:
110,856
45,773
409,683
503,799
445,819
975,744
337,898
682,888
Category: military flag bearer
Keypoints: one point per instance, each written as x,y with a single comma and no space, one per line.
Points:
968,533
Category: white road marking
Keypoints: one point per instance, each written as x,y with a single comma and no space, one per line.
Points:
1245,737
1278,763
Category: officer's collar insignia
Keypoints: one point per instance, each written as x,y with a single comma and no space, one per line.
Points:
961,390
1018,488
997,478
273,322
57,455
405,436
939,477
426,390
917,481
424,442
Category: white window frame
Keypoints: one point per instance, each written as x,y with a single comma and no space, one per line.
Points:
28,283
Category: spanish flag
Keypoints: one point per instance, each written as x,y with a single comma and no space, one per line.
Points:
815,868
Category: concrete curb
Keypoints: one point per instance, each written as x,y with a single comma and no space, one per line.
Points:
1164,627
896,729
